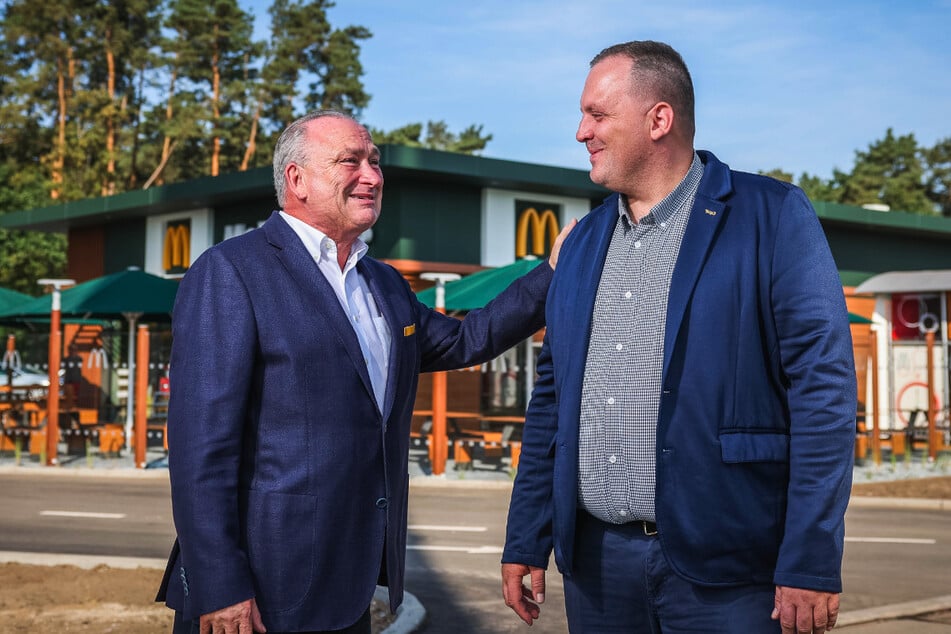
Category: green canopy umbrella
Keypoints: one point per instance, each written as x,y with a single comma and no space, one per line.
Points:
11,299
132,294
477,290
114,296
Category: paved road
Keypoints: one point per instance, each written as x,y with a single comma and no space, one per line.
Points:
456,532
86,514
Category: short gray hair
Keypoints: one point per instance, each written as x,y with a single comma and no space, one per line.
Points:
291,148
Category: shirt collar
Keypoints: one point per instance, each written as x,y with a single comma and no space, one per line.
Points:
672,202
319,246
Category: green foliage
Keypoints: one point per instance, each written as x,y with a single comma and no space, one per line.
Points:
26,256
778,174
893,171
937,163
890,172
438,137
820,189
102,96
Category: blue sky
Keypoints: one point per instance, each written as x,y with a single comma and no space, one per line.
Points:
793,85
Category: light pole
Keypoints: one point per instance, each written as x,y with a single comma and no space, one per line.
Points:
55,352
439,440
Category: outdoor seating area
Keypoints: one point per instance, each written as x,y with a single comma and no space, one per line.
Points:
106,403
494,442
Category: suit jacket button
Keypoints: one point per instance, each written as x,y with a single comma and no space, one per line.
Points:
381,503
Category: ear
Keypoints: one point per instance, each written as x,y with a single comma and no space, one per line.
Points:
294,180
661,118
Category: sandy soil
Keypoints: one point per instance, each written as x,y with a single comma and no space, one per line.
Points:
70,600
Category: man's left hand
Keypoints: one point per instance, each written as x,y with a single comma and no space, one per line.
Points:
555,248
805,611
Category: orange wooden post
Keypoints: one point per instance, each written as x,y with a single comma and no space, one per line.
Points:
55,358
440,437
440,451
140,385
52,398
932,410
876,429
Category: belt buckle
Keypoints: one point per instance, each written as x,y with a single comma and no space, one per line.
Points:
649,533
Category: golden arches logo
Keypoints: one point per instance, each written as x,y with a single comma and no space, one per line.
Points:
540,223
177,249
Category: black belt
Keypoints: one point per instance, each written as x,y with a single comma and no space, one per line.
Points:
648,528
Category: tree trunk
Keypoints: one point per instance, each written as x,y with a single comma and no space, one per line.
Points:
109,180
59,160
161,165
167,145
252,139
215,112
133,159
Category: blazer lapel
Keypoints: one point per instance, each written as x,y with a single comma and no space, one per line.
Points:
590,276
301,266
706,216
383,300
578,294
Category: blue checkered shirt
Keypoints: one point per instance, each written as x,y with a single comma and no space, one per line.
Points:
620,397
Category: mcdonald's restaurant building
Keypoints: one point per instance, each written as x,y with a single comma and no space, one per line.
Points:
442,212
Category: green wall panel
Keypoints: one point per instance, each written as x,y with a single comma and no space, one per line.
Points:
123,245
429,221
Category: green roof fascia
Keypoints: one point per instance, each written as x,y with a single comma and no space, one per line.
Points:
211,191
883,220
854,278
197,193
489,172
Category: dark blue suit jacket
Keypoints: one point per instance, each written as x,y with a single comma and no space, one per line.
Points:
287,480
757,413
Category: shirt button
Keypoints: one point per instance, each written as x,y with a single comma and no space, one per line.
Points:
612,459
381,503
611,401
619,347
663,224
628,295
637,244
622,513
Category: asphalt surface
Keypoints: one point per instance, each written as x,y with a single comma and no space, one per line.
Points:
895,570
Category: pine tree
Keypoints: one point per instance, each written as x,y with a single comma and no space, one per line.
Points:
890,173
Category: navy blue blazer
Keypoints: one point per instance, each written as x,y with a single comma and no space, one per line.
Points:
756,425
288,483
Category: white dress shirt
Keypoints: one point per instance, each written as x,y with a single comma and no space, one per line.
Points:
355,298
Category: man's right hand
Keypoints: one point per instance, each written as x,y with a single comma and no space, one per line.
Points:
241,618
524,601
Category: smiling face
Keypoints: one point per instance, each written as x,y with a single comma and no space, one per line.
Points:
339,188
615,124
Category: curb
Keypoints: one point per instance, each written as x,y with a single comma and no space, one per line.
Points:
924,504
85,472
894,611
87,562
409,615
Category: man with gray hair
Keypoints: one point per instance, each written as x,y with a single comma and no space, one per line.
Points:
295,360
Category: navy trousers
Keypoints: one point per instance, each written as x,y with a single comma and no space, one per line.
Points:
622,583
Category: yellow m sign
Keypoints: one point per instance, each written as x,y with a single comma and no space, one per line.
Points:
540,224
176,252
